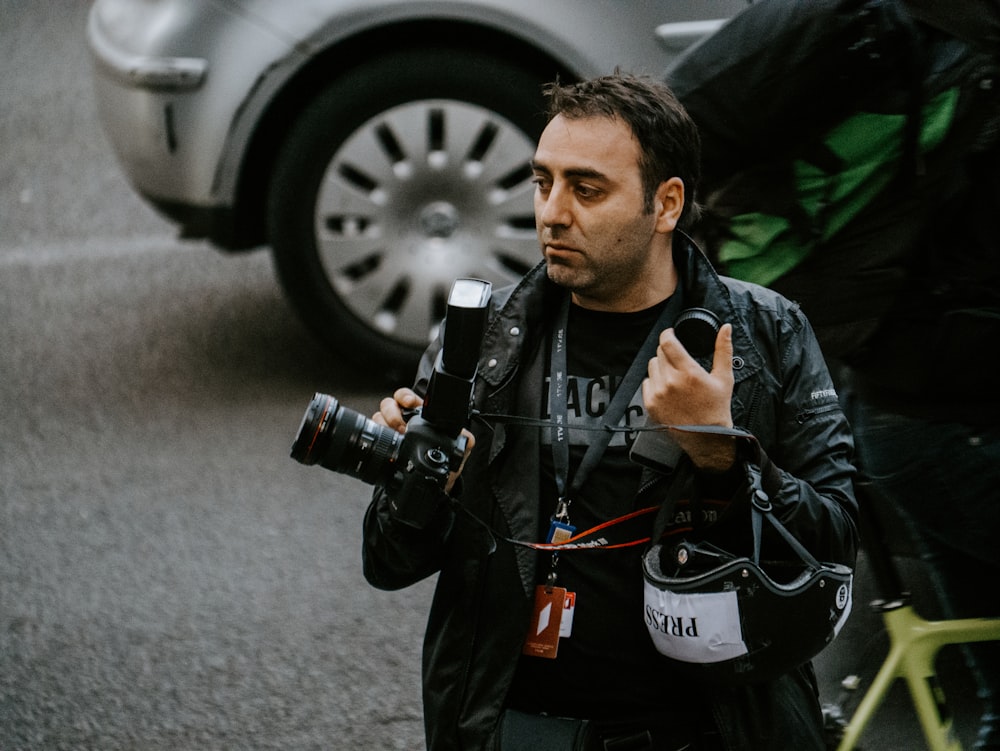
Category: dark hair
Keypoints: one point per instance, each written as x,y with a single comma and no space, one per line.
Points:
669,144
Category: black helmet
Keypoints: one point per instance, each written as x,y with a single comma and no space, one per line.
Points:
733,619
729,621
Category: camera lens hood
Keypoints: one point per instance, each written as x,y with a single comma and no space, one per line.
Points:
696,328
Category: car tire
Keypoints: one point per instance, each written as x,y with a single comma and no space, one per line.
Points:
403,174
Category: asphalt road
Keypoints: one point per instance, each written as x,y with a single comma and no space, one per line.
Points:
169,577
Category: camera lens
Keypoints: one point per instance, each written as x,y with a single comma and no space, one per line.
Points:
346,441
696,328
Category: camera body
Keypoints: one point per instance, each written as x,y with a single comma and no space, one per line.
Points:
413,467
428,456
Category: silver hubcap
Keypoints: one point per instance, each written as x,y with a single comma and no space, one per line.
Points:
421,195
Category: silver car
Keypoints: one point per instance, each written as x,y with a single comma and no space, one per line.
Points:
379,147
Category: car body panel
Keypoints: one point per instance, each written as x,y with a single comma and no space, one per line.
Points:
369,143
170,139
212,67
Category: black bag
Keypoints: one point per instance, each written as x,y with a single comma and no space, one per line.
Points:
752,84
521,731
831,130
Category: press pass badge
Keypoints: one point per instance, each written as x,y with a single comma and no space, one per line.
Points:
546,621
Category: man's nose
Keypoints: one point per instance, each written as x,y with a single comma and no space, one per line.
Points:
555,208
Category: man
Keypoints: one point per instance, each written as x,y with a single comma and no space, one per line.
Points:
906,292
615,172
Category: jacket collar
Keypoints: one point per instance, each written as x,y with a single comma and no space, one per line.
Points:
522,308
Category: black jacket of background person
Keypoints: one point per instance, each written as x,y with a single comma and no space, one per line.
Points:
906,291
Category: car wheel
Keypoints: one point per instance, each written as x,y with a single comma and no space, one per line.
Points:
404,174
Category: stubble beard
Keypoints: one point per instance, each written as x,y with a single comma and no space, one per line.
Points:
588,285
573,279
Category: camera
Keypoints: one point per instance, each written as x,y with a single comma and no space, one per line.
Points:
414,466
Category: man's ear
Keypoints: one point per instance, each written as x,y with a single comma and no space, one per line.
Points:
669,204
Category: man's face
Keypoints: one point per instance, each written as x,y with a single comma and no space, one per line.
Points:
595,236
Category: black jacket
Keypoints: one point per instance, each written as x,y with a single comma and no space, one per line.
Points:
783,395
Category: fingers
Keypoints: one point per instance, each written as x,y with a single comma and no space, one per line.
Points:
722,361
679,391
407,398
391,409
672,360
671,353
470,445
453,477
675,354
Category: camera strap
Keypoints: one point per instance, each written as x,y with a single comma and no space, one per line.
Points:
595,538
629,530
626,531
565,487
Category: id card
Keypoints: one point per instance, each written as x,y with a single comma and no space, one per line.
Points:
560,531
566,624
546,621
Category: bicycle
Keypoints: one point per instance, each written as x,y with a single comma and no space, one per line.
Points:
914,643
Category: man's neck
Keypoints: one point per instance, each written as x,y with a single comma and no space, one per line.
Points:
648,290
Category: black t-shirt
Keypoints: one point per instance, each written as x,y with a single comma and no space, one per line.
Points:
607,668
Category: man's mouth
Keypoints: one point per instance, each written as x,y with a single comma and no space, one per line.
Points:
559,249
